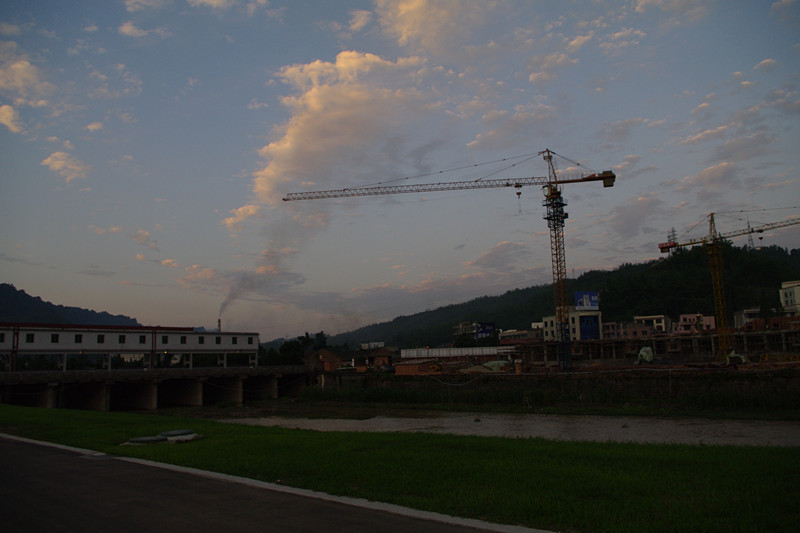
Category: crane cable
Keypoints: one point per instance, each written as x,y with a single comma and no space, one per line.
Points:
527,157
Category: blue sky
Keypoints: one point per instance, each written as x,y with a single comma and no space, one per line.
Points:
146,146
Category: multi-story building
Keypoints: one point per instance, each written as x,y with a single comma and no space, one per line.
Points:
790,298
583,325
659,323
123,343
693,323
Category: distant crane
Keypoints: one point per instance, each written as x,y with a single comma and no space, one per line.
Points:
555,216
712,243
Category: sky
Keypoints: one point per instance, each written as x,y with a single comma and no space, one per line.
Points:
146,146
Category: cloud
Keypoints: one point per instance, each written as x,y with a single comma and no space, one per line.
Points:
10,30
67,166
214,4
711,182
102,231
634,217
10,118
137,5
143,237
691,10
620,130
440,27
716,133
767,65
501,256
578,42
346,116
239,215
95,126
21,78
622,39
510,128
359,19
129,29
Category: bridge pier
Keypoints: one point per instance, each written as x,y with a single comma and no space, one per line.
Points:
180,392
134,395
261,388
219,390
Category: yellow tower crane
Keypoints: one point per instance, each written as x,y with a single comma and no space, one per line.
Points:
555,216
712,243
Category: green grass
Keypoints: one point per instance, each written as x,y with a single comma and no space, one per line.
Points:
533,482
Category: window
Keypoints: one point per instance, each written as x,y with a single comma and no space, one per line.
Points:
78,338
183,339
249,340
2,337
218,340
54,338
101,339
164,339
201,340
122,339
234,340
142,339
29,337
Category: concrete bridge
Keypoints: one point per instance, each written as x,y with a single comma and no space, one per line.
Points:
130,389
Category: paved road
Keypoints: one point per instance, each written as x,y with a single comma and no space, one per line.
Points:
46,488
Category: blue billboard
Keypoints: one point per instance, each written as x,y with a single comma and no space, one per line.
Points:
587,301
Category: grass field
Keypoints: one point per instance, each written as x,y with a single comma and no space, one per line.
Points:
564,486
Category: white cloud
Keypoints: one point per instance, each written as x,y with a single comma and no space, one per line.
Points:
143,237
716,133
437,26
767,65
67,166
635,216
711,182
10,118
214,4
129,29
689,9
137,5
10,30
239,215
501,256
508,128
95,126
621,129
359,19
21,78
342,113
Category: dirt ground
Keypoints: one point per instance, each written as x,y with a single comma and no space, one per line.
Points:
563,427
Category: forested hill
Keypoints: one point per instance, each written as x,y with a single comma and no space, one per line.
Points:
672,286
18,306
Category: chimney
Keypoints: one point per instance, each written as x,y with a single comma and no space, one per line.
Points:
219,324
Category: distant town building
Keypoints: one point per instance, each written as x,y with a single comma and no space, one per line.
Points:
659,323
693,323
583,325
744,318
790,298
476,330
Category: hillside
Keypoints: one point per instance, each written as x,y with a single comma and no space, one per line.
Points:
674,285
18,306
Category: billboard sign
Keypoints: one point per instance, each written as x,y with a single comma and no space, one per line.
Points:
587,301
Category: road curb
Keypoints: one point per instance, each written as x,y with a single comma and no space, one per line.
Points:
344,500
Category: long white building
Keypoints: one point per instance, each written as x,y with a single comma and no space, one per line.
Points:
149,343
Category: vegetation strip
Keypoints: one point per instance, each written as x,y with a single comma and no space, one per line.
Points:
532,482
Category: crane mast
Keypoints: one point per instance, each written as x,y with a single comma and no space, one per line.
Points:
555,216
712,242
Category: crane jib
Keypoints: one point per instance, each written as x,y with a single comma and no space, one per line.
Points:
607,177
